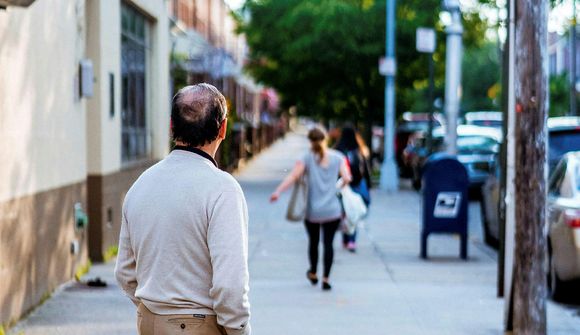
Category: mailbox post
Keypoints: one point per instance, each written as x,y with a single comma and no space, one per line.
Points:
445,199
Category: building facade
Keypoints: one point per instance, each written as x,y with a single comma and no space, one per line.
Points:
206,48
128,117
84,109
559,54
85,96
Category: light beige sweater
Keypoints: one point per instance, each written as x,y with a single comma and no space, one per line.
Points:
183,247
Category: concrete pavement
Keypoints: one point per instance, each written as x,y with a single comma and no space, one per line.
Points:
385,288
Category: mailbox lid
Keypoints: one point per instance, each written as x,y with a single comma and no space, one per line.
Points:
442,170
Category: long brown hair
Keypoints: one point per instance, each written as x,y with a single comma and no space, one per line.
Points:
317,136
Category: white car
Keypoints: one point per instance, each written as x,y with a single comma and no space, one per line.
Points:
484,119
564,224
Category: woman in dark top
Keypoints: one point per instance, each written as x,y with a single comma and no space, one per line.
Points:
356,152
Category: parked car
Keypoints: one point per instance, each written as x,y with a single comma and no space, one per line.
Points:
477,149
563,137
564,224
484,119
411,123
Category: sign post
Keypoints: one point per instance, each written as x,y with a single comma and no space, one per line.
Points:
453,57
389,175
426,43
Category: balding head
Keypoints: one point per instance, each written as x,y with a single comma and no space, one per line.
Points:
197,113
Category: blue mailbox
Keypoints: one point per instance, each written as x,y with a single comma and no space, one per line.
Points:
445,199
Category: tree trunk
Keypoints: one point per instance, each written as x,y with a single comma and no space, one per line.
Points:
531,92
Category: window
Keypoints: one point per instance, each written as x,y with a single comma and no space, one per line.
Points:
555,180
561,142
553,64
134,47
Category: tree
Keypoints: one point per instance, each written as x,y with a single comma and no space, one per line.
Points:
481,72
559,100
322,56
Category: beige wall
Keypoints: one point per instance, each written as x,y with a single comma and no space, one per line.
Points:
43,164
104,48
42,127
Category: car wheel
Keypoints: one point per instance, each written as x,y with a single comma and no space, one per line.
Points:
555,285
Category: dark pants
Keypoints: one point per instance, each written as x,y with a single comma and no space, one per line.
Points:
313,230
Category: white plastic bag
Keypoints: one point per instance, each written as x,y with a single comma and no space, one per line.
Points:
353,205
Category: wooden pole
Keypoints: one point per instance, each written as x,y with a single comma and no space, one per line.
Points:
531,93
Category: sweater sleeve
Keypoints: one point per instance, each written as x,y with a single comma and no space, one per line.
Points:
126,264
228,247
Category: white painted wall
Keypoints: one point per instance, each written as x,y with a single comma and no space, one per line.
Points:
104,48
42,127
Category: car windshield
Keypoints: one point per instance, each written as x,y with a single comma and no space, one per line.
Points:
577,177
477,144
562,142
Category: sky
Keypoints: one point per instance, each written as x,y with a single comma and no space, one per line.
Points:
235,4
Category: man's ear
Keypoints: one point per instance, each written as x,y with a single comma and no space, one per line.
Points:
223,129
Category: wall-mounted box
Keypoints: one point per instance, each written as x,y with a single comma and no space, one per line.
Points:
87,78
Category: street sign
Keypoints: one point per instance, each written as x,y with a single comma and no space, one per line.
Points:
387,66
426,40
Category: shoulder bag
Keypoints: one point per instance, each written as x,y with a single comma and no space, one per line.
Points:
298,200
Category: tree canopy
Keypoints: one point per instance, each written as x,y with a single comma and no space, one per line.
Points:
322,55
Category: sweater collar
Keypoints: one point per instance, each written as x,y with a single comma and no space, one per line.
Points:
197,152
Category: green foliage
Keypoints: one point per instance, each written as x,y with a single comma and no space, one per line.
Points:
178,74
559,95
481,74
322,56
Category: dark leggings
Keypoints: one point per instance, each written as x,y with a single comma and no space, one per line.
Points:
313,229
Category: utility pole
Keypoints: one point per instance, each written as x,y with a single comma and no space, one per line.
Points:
452,72
389,175
573,110
531,97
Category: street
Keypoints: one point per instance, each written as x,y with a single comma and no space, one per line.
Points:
383,288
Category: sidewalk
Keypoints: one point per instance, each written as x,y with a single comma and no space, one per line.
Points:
385,288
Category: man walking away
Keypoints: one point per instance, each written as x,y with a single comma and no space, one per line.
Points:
183,248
